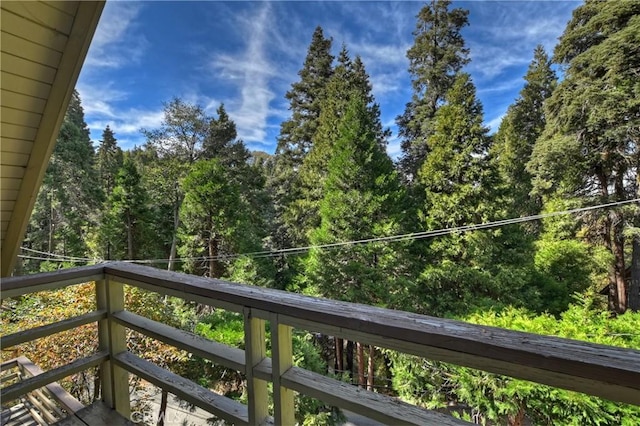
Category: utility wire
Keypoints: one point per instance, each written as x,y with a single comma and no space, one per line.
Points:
52,259
394,238
59,256
391,238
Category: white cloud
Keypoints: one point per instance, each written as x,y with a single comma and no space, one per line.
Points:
251,71
494,124
116,42
506,33
100,101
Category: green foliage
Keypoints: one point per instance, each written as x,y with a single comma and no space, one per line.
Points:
437,55
588,148
522,125
70,195
504,400
109,160
125,231
362,199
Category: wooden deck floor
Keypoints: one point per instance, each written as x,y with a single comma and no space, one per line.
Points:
96,414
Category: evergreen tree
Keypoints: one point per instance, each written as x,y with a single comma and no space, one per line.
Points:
296,134
177,144
215,218
109,160
457,180
437,55
294,142
349,79
70,195
522,125
589,148
126,228
456,175
362,199
305,95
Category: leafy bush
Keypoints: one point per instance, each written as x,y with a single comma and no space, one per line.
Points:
499,399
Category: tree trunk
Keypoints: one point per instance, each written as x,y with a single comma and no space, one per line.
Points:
339,355
370,368
163,408
634,285
618,239
50,250
350,359
360,357
174,239
129,236
213,253
620,269
97,385
607,238
388,371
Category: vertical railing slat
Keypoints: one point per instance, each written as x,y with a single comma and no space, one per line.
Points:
255,351
115,380
283,398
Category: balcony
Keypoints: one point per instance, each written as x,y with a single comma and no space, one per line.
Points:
604,371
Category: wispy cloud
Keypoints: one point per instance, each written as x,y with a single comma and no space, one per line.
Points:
116,42
494,123
510,30
101,105
251,71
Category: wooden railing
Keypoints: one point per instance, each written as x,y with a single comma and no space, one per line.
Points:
604,371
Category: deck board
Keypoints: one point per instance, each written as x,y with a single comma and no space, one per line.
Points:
96,414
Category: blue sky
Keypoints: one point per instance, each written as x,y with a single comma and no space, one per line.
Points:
247,55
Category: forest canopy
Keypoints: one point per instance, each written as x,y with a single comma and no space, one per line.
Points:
193,198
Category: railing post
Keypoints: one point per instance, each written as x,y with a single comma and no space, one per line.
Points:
255,351
282,354
115,380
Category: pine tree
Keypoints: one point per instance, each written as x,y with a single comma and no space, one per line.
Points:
589,148
457,181
109,160
294,142
126,228
362,199
349,77
296,135
437,55
518,132
216,219
67,205
178,144
305,95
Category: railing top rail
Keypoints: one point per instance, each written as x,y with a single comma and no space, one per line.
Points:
19,285
592,368
591,361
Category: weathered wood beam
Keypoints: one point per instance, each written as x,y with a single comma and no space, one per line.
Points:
57,392
49,329
18,389
255,351
218,353
225,408
605,371
373,405
282,350
25,284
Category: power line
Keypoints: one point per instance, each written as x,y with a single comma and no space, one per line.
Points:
387,239
59,256
394,238
52,259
